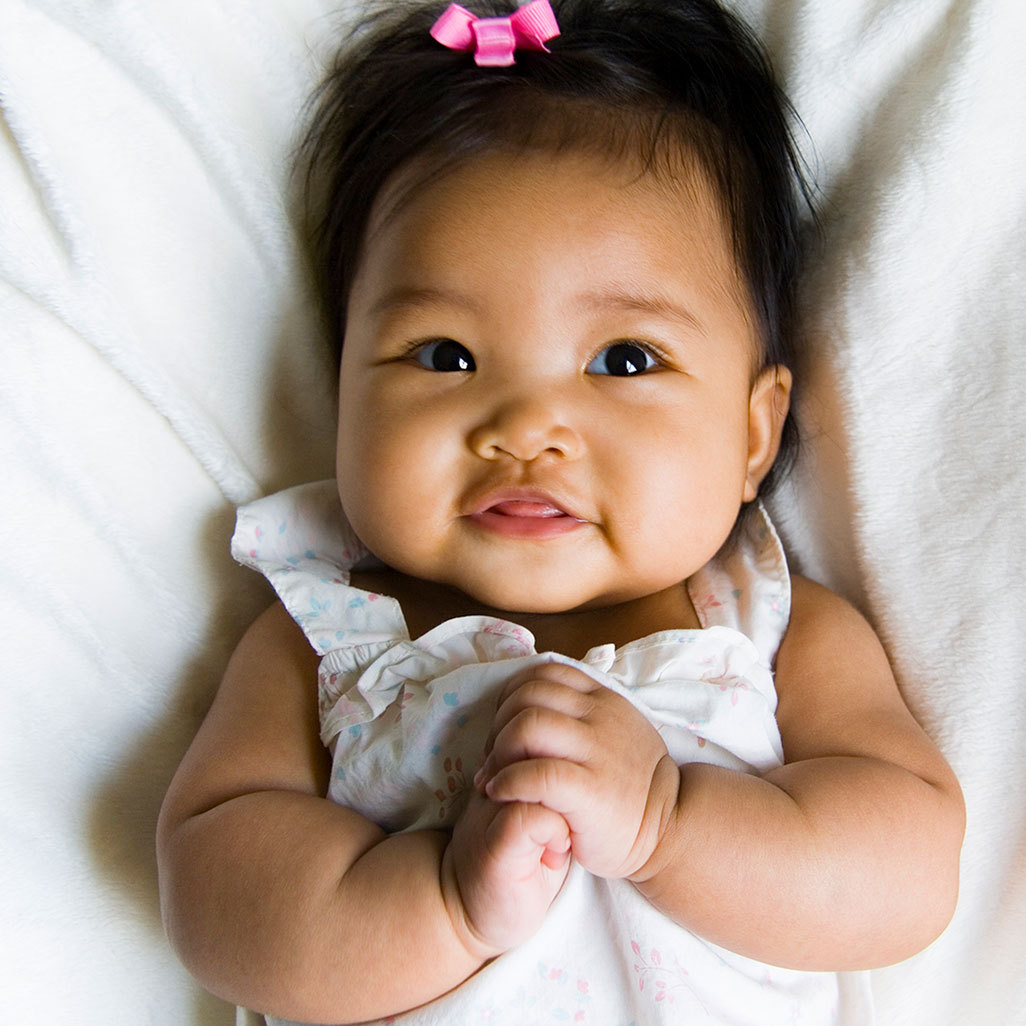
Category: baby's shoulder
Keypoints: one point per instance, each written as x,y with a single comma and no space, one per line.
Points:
830,658
818,610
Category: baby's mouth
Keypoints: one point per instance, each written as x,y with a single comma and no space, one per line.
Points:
526,508
534,517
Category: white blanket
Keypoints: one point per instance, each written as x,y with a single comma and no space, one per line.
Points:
161,363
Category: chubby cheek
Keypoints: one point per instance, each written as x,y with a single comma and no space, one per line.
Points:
351,455
683,490
388,479
361,452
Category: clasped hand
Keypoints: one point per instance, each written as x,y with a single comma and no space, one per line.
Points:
570,766
564,741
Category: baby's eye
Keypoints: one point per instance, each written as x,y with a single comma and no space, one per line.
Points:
622,359
444,355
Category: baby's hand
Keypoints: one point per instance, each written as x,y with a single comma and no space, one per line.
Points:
565,741
501,871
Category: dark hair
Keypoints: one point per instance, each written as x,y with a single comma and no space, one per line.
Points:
648,78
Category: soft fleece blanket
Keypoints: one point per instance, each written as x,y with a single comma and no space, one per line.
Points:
162,363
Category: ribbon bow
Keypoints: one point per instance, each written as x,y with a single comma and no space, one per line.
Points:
494,40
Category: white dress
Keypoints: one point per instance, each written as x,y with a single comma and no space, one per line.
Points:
406,720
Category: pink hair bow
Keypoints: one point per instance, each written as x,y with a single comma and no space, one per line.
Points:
494,40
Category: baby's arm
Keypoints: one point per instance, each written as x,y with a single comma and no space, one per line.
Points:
278,899
845,857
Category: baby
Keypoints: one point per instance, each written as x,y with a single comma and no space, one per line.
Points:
591,753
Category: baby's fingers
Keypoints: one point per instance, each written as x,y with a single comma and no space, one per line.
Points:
536,732
554,686
523,835
556,784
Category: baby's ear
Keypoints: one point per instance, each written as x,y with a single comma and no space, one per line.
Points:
767,410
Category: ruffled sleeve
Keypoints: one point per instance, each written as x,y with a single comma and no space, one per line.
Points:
747,586
301,542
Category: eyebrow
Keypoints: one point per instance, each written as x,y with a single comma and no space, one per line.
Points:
642,302
403,297
601,299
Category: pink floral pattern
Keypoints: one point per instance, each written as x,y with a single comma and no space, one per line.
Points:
455,785
660,980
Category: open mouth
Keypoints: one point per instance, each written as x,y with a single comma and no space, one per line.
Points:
526,508
534,517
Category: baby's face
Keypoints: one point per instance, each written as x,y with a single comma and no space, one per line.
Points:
546,392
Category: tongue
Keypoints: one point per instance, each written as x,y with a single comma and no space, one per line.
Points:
523,508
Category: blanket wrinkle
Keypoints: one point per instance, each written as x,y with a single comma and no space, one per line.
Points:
77,292
131,43
31,159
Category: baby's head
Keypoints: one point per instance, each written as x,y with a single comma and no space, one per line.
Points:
635,191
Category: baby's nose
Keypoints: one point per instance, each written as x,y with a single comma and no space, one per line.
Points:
525,429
